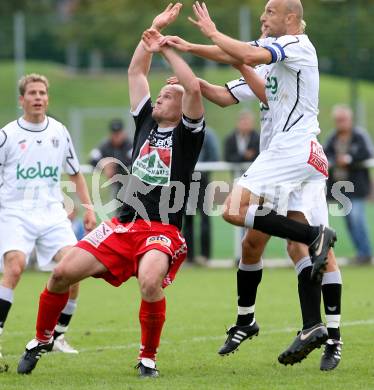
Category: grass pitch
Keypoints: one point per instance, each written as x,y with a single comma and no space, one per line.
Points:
200,304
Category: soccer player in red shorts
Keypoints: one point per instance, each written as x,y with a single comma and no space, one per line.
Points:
145,240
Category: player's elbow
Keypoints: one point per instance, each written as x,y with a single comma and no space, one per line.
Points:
227,101
132,72
249,59
193,87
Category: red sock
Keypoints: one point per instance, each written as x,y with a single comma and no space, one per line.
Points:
50,307
152,318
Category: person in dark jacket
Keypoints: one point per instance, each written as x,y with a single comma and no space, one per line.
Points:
242,145
346,149
117,146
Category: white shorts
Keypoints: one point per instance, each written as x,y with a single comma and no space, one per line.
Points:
47,229
310,200
291,176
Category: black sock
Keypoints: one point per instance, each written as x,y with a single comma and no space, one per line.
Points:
62,323
269,222
332,294
4,310
247,283
310,299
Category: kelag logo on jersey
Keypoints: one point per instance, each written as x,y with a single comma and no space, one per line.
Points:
37,172
152,166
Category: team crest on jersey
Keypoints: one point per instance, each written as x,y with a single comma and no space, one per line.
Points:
55,142
153,165
161,239
22,144
98,235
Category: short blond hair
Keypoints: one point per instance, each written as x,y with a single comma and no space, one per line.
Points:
31,78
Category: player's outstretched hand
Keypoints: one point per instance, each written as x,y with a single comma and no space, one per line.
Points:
152,40
168,16
203,20
176,42
89,218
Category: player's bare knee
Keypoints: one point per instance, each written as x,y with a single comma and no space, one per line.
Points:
296,250
59,278
290,248
14,265
16,270
230,217
150,287
226,215
12,276
150,292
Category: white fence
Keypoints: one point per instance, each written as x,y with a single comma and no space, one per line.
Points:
236,169
223,166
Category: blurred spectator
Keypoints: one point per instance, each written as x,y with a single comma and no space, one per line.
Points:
243,144
118,146
209,152
347,147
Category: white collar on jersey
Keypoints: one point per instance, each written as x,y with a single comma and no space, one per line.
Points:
164,129
33,126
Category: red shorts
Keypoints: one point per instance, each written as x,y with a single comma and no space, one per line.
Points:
119,246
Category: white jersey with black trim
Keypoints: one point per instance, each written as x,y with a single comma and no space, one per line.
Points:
241,92
32,157
292,86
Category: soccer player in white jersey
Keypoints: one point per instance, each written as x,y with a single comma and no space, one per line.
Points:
294,161
250,267
34,149
249,274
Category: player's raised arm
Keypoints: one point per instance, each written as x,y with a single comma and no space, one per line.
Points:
192,105
137,75
255,82
209,52
241,51
141,60
232,93
216,94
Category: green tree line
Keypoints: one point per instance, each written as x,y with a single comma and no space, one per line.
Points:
341,30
